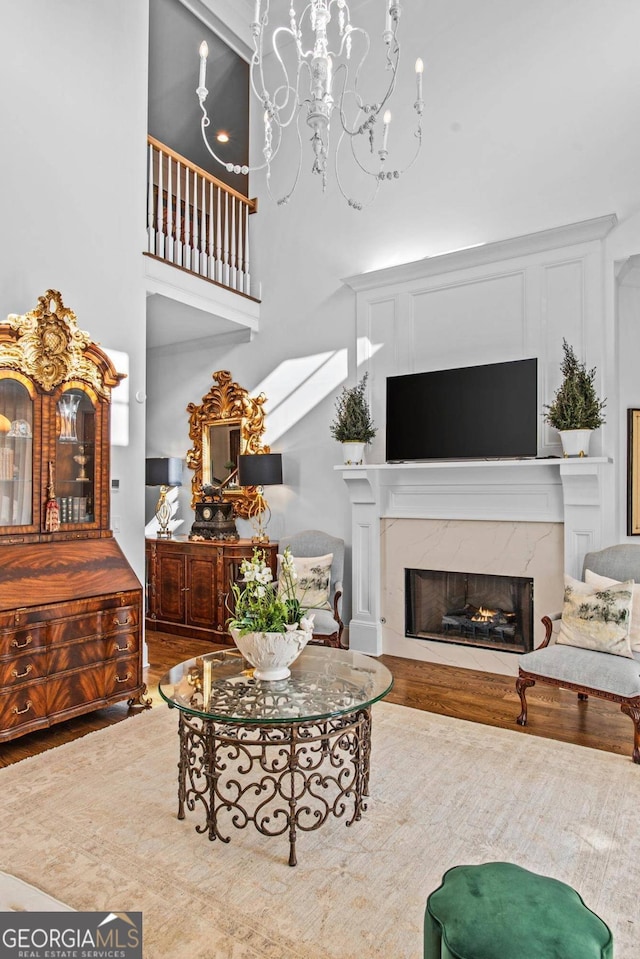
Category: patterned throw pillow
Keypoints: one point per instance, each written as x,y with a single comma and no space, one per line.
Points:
596,618
595,579
314,579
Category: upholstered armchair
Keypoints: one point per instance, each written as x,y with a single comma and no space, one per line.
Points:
328,625
588,671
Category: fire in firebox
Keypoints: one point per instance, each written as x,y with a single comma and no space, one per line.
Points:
471,620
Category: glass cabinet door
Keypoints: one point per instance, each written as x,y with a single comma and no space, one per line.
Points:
75,466
16,453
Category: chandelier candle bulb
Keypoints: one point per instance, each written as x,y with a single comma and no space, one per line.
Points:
256,15
204,53
419,72
385,131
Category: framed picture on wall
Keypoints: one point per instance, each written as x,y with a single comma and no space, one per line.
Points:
633,473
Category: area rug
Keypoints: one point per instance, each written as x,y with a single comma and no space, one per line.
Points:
93,823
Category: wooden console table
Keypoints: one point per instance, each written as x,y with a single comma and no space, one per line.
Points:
188,582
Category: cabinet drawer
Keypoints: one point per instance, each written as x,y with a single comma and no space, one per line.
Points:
23,669
75,627
67,656
119,618
69,690
121,675
13,641
122,644
23,706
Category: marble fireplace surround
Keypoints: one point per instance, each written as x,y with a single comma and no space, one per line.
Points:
508,517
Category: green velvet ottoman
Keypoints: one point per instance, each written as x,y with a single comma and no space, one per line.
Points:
500,911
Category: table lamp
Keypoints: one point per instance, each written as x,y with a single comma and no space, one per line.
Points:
165,472
260,470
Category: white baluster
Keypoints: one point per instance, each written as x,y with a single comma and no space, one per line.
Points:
195,251
169,242
211,263
247,274
160,213
218,236
225,242
177,249
232,277
151,241
203,231
186,250
240,273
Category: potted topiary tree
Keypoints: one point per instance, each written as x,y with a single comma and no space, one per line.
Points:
576,409
353,426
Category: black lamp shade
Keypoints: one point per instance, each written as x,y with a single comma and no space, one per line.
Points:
164,471
260,469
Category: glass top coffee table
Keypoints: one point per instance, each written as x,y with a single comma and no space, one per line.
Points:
283,755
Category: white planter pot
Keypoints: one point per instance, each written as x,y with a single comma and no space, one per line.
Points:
353,453
271,654
575,442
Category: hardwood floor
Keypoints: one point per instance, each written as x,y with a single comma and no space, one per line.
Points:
465,694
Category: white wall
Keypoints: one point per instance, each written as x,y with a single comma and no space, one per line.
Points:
74,78
529,124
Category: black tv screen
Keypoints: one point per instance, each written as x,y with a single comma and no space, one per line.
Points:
475,412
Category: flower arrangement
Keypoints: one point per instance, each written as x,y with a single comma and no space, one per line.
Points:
264,606
353,422
576,405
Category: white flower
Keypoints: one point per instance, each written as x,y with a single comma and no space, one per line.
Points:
288,564
260,591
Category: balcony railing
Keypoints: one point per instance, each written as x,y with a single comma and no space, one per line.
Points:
197,222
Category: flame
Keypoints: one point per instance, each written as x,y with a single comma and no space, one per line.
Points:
483,615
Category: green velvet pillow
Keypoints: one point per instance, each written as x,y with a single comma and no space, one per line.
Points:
597,618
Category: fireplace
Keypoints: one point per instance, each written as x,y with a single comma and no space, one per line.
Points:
470,609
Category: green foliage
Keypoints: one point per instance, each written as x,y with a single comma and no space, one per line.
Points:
353,422
576,405
262,605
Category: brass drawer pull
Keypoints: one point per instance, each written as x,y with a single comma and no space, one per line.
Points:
28,640
19,712
17,675
123,622
123,649
125,679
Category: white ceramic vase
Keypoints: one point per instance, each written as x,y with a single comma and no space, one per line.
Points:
353,453
575,442
271,654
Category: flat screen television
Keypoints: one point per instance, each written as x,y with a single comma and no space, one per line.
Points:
475,412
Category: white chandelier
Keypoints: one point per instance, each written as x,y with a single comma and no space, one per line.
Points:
325,53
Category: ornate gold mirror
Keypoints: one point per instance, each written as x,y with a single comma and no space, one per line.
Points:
227,423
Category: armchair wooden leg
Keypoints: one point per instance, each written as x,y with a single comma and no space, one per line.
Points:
582,697
521,687
634,714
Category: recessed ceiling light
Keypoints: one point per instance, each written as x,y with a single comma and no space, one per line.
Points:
222,137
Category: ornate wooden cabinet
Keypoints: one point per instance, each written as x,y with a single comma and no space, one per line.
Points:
188,583
70,604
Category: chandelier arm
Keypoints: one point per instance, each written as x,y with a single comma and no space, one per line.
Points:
287,83
229,167
284,199
353,203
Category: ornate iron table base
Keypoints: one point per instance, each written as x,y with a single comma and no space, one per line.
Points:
283,778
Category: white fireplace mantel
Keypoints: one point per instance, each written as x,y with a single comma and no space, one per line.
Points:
568,491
